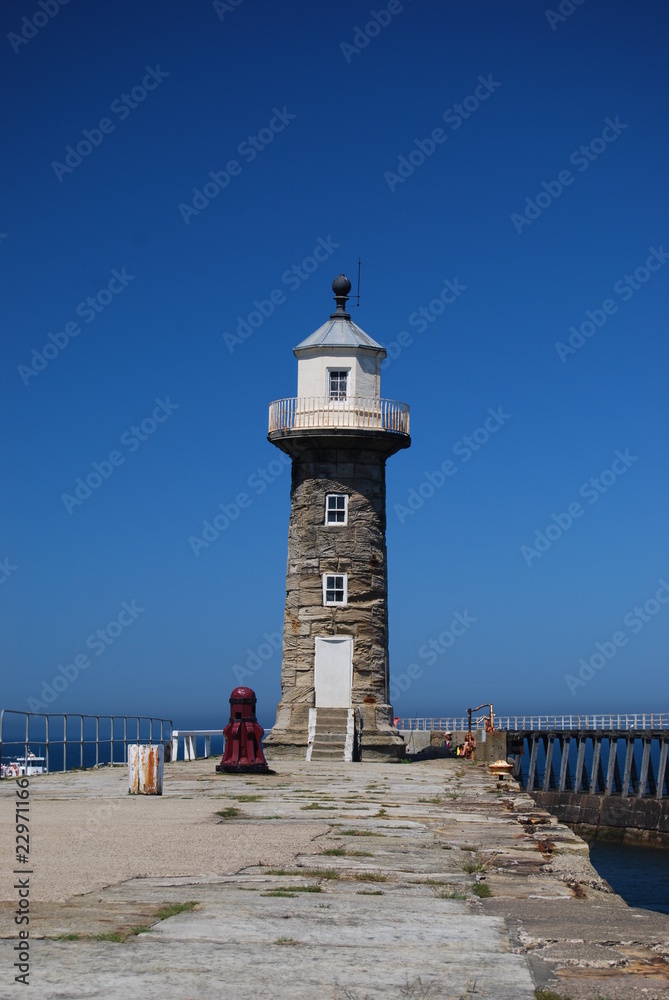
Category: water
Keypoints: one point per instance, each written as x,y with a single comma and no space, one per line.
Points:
639,874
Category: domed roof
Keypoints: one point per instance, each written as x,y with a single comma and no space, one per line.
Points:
339,330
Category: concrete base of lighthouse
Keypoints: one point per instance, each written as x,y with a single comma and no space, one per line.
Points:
379,740
350,463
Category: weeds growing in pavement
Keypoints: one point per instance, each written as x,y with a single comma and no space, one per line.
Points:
119,936
230,813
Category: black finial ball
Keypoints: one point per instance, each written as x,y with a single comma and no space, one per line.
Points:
341,285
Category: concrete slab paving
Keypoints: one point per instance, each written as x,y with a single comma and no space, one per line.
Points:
323,880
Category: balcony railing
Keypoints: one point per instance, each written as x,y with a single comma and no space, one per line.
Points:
303,412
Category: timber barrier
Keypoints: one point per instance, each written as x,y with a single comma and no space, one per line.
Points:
604,782
607,761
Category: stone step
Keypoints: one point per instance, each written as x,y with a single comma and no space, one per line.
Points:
332,714
330,734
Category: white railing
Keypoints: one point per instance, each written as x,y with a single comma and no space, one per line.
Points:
525,723
303,412
190,738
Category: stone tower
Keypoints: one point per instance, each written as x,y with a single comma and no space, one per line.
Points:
338,432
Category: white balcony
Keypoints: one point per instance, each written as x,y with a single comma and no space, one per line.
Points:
304,413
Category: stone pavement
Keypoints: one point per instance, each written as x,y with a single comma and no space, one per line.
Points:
349,882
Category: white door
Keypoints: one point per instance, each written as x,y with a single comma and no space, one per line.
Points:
333,671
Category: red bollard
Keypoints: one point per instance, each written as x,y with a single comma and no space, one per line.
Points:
243,736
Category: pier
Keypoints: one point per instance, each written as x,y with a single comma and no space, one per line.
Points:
596,772
371,882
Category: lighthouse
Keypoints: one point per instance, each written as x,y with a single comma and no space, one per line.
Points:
338,432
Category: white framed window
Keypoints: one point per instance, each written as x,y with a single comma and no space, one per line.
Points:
338,383
335,589
336,508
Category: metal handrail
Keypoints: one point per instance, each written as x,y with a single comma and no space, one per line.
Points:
358,735
625,722
358,412
165,733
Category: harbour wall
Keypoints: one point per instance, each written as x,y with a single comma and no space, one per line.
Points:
631,818
610,817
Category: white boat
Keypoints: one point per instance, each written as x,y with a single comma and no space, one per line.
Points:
22,766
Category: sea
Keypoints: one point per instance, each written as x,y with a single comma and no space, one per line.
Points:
639,874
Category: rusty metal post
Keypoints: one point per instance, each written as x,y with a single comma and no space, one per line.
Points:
470,746
145,769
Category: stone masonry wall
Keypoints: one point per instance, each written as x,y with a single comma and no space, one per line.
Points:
357,549
637,818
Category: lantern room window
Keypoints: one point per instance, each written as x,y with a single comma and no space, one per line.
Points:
334,589
337,383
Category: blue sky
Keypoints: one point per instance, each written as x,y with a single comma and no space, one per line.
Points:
512,159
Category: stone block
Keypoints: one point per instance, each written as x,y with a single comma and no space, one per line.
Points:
345,457
373,471
311,592
291,640
315,614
